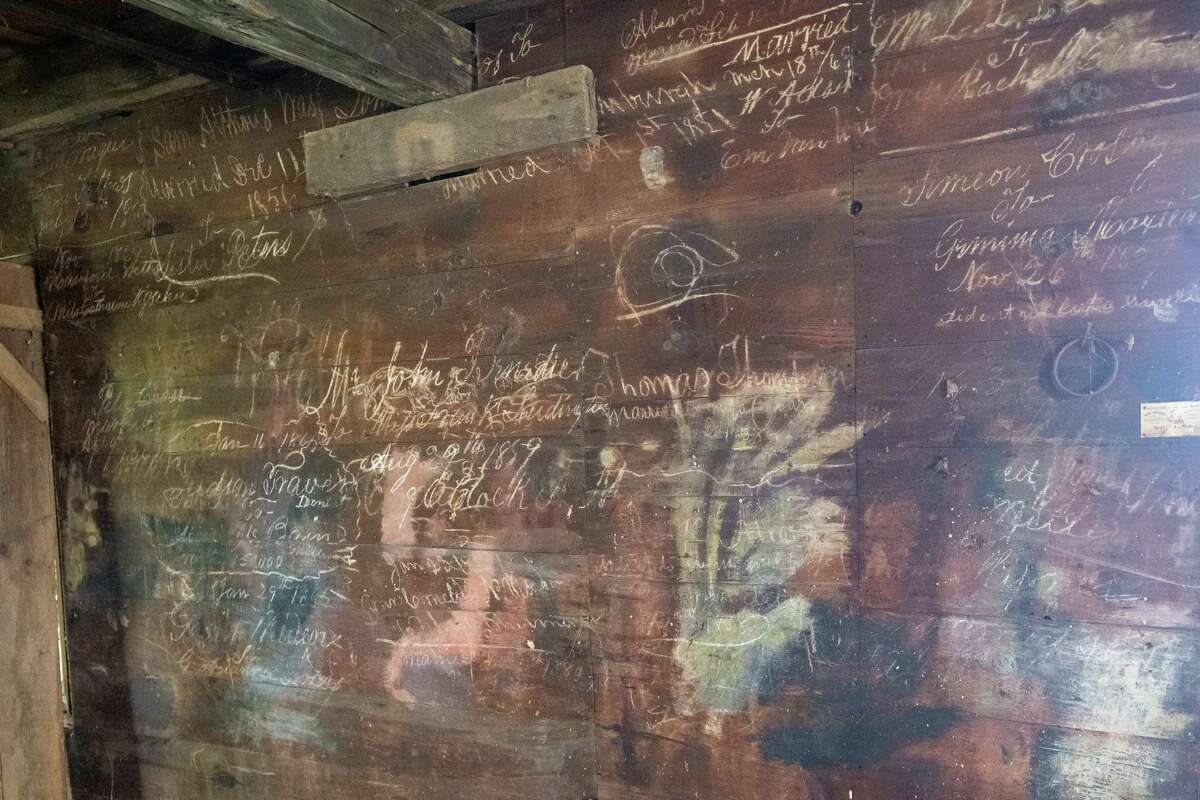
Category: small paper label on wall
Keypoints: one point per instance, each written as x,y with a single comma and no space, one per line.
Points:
1163,420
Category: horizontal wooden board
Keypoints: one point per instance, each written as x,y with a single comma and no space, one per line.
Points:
656,766
1101,64
700,105
452,135
335,526
403,233
974,280
512,661
994,759
519,42
893,27
1107,171
213,157
476,313
1101,678
696,250
419,401
1004,392
405,54
249,753
775,318
1099,534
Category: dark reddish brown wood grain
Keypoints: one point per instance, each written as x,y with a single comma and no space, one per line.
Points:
1117,61
719,456
1033,531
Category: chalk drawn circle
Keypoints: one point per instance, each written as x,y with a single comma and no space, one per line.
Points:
1091,355
680,265
659,267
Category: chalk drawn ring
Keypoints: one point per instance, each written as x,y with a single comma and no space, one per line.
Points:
1095,350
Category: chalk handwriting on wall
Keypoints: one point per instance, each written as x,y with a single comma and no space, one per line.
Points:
565,476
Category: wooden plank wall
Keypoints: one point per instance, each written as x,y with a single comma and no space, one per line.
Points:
722,457
32,758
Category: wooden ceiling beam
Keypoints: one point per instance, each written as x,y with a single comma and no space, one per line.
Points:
464,11
392,49
67,84
69,25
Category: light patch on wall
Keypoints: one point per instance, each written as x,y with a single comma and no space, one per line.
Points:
654,173
1125,686
725,661
1130,43
81,532
727,655
1083,766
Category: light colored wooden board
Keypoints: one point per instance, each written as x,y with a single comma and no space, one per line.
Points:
30,611
20,318
452,135
18,298
17,287
26,388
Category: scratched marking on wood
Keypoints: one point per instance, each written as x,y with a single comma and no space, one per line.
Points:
732,453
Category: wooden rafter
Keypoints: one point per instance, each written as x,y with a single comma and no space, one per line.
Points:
464,11
130,81
395,50
74,26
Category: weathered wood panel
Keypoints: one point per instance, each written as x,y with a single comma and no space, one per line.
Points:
1033,532
701,105
329,327
1005,392
764,444
1136,166
1102,63
519,42
17,220
450,227
552,755
1040,236
32,758
900,26
452,135
399,52
1101,678
211,157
